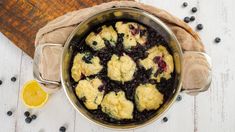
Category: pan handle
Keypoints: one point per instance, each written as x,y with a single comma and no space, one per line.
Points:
197,72
48,85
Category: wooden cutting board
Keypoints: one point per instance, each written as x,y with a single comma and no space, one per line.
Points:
21,19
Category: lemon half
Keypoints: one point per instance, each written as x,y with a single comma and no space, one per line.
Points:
33,95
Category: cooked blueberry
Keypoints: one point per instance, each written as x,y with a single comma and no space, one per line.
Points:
192,18
28,120
83,99
187,19
62,129
165,119
94,43
135,31
26,113
185,4
179,98
33,117
98,30
87,58
0,82
162,64
142,32
9,113
199,27
156,59
217,39
121,35
131,26
13,79
194,9
101,88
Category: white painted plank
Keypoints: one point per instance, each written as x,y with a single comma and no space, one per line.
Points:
180,118
181,114
83,125
215,108
55,113
10,58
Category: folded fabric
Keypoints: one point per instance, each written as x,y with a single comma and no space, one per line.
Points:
58,30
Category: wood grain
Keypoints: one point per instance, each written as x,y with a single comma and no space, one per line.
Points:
21,19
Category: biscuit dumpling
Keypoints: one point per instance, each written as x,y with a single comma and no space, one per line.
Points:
160,61
97,40
121,68
86,64
147,97
90,92
133,33
117,106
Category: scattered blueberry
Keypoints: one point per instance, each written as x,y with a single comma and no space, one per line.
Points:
217,39
62,129
185,4
187,19
0,82
26,113
165,119
13,79
194,9
33,117
199,27
192,18
179,98
28,120
9,113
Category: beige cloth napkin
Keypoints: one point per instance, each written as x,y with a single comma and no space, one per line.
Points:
58,30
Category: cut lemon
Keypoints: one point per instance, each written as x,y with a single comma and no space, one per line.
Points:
33,95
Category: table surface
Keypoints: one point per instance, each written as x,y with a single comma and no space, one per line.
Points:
211,111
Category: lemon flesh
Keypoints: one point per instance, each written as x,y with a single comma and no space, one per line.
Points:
33,95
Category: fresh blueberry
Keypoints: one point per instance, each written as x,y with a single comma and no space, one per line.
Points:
28,120
13,79
194,9
179,98
187,19
26,113
33,117
185,4
165,119
192,18
62,129
9,113
0,82
217,39
199,27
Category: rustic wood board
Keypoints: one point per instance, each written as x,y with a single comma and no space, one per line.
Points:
21,19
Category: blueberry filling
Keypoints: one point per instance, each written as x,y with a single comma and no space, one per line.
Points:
87,58
141,76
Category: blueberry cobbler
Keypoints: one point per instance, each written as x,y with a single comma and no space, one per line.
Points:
122,72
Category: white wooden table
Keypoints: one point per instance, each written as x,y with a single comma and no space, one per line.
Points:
211,111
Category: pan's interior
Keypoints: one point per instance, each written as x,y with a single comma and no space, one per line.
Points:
114,15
